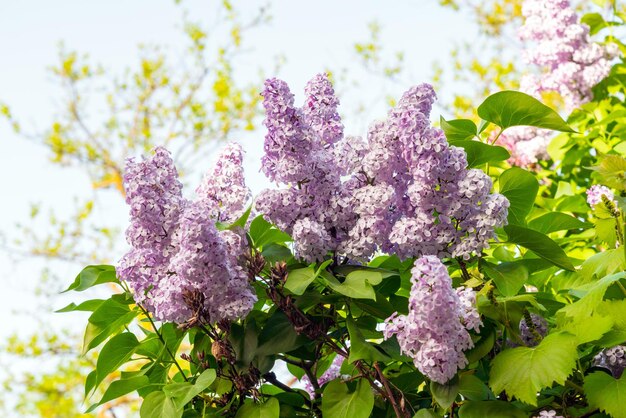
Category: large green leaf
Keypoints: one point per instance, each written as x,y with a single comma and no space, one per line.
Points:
479,153
509,277
108,319
269,409
520,187
539,244
183,392
591,296
120,388
339,400
524,371
458,129
157,404
264,233
360,349
91,276
606,393
278,336
557,221
86,306
299,279
444,395
473,388
490,409
117,351
513,108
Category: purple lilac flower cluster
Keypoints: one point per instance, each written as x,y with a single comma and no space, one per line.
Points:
332,373
571,64
532,336
403,191
176,247
613,359
434,333
595,193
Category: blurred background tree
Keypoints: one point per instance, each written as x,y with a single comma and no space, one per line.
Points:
189,103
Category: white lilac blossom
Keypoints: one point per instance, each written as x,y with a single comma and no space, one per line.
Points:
595,193
432,333
177,250
548,414
568,63
404,190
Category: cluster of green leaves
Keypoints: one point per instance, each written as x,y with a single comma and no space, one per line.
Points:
552,259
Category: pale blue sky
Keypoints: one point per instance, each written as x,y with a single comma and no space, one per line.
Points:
311,35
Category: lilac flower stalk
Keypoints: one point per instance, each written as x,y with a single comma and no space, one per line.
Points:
432,332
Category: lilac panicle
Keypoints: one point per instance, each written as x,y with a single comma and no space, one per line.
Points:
432,332
405,190
569,63
595,193
613,359
320,110
176,247
224,187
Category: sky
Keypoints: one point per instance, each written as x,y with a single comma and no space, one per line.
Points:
312,36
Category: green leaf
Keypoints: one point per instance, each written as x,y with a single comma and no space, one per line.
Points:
472,388
524,371
360,349
92,276
479,153
108,319
458,129
120,388
340,401
269,409
117,351
278,336
445,394
591,296
509,277
612,171
299,279
182,393
358,284
588,329
156,404
595,21
539,244
514,108
491,409
243,219
425,413
606,393
520,187
483,346
87,306
264,233
557,221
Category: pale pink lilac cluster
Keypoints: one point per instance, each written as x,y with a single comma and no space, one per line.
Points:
595,193
176,247
435,331
333,372
569,63
404,190
572,64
